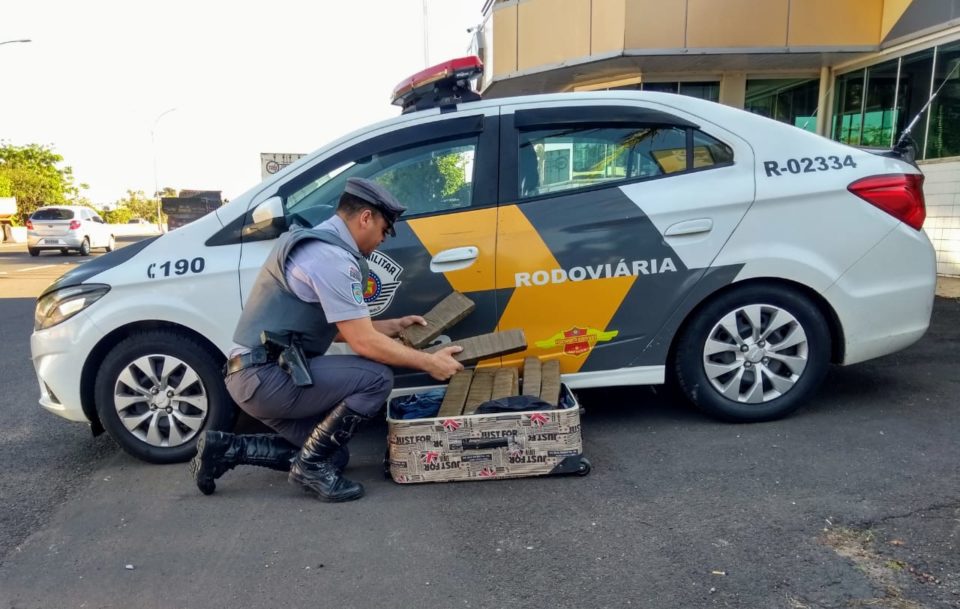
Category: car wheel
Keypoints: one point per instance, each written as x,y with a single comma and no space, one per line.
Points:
33,251
111,244
85,247
157,391
754,354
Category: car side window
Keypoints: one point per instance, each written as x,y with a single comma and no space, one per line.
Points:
427,178
573,157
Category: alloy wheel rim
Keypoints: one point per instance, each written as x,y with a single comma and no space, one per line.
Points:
161,400
755,353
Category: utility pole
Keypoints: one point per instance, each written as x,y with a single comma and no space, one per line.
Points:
156,181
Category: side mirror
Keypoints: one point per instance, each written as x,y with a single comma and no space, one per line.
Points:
268,211
267,221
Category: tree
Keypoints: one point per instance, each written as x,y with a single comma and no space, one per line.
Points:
138,205
33,175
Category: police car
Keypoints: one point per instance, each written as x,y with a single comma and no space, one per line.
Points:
635,237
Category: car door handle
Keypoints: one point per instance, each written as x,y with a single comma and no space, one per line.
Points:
454,259
689,227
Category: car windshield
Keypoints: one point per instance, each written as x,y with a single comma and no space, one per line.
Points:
53,213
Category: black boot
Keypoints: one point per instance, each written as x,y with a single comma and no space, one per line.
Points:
314,469
219,452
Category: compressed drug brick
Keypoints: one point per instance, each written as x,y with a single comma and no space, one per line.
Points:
484,346
531,376
456,396
480,390
504,383
446,314
550,381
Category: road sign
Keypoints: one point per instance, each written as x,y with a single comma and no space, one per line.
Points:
272,162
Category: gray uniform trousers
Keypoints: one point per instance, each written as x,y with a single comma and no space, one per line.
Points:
268,394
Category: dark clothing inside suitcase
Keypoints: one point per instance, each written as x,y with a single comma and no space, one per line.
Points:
514,403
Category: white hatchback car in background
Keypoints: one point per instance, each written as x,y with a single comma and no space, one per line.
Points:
68,227
633,236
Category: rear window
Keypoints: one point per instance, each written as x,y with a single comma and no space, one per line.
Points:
52,213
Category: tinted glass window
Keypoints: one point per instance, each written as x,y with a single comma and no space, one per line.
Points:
788,100
52,213
579,157
428,178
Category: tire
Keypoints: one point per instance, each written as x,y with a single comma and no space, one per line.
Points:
85,247
772,367
33,251
148,421
111,244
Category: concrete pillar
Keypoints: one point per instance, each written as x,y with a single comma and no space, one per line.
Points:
825,102
733,89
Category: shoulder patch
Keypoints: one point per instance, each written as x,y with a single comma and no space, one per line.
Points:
354,273
357,292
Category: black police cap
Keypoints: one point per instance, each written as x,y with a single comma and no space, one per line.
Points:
377,196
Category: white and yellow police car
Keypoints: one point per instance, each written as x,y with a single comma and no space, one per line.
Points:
632,236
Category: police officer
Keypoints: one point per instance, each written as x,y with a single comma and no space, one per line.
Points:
310,290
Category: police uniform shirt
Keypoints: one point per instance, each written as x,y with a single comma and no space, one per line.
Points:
325,273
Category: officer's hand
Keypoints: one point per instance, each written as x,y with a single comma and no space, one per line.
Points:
408,320
393,327
443,365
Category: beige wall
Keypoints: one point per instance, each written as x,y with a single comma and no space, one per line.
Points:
505,40
606,26
892,10
654,24
551,31
737,23
835,23
533,33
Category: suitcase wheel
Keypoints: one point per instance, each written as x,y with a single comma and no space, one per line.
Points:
584,468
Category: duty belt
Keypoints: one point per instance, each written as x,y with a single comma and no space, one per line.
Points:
257,356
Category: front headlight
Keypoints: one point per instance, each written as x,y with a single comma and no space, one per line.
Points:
60,305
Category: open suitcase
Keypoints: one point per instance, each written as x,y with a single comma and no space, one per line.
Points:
487,446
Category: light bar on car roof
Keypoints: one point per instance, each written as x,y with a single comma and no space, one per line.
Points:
444,84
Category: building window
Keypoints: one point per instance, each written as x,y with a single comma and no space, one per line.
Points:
944,134
788,100
709,90
914,91
876,104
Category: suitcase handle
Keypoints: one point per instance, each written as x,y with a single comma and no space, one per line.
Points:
476,444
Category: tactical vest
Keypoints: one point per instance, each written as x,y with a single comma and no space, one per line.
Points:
273,305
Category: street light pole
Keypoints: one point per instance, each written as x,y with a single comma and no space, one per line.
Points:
156,181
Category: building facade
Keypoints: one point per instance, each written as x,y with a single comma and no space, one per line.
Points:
857,71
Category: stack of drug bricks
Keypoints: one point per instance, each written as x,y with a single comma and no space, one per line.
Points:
469,388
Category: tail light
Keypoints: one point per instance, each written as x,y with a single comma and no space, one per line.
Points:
74,224
29,225
900,195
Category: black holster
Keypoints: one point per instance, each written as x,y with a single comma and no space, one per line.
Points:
288,351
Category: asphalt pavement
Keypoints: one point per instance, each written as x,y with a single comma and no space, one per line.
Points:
852,502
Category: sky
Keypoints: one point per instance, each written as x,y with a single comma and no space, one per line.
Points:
285,76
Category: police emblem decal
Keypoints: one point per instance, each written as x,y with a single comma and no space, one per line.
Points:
357,292
383,282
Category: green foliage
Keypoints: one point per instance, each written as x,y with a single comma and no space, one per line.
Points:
33,175
137,205
6,186
425,182
120,215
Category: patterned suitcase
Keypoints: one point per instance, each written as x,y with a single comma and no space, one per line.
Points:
487,446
